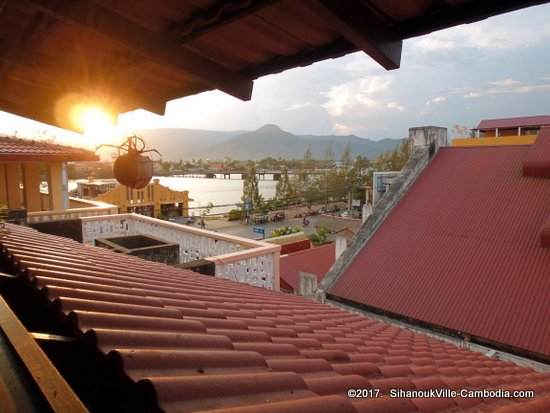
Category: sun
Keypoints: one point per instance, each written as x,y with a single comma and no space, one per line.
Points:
96,123
94,119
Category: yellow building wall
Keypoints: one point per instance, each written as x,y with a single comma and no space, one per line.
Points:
500,141
153,194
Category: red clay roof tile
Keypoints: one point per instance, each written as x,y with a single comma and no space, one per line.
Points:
200,343
25,150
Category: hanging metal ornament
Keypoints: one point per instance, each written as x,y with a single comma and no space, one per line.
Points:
132,168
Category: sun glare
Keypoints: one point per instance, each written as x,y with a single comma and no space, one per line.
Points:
96,123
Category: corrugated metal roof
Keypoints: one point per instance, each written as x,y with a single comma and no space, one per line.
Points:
202,343
523,121
537,161
21,150
315,261
461,250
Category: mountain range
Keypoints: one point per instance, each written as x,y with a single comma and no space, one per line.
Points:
269,140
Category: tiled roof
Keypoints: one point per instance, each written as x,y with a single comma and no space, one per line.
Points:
523,121
201,343
312,260
21,150
461,250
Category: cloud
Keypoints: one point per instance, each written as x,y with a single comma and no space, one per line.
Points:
341,129
396,106
502,33
507,86
472,95
297,106
532,88
436,100
431,44
505,82
361,92
497,67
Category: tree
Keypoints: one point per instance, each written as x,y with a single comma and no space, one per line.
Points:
462,131
393,160
284,189
346,157
308,158
329,156
165,167
362,164
251,191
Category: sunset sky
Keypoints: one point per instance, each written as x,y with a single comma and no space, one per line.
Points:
495,68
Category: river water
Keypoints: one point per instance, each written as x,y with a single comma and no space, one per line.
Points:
218,191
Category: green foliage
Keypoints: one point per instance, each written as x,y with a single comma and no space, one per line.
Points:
393,160
329,157
273,204
308,159
251,191
285,191
346,157
83,170
319,237
279,232
165,167
235,215
208,208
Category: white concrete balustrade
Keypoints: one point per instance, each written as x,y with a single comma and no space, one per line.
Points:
78,208
239,259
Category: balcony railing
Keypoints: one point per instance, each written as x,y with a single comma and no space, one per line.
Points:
239,259
79,208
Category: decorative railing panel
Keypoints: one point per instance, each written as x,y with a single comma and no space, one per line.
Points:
236,258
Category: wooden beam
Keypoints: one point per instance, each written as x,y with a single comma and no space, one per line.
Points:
217,16
364,28
338,48
55,389
467,12
26,111
56,82
152,45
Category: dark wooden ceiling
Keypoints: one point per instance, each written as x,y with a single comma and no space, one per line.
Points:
129,54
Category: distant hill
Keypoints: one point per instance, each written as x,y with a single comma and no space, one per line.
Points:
269,140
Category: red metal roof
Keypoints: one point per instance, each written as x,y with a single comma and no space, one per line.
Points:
315,261
537,161
202,343
25,150
461,250
523,121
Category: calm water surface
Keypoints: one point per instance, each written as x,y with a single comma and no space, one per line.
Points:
217,191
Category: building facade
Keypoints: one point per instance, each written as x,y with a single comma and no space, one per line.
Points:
155,200
505,131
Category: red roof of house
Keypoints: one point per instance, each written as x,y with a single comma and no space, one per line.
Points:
461,250
537,160
25,150
315,261
198,343
522,121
